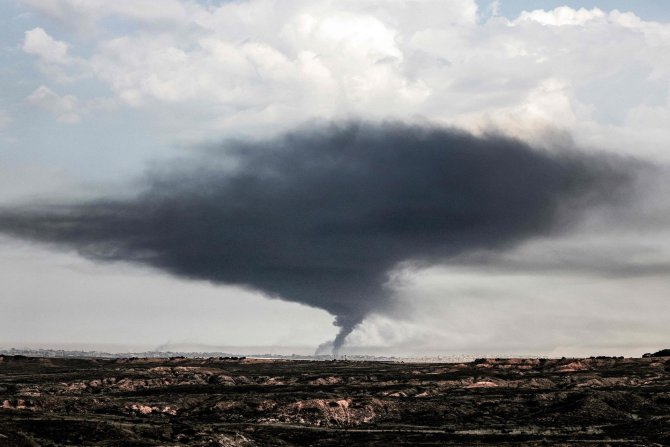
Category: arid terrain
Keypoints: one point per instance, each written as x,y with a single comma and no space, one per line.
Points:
251,402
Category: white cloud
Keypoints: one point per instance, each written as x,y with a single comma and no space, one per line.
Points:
69,108
83,15
64,107
53,57
50,50
250,65
494,8
562,16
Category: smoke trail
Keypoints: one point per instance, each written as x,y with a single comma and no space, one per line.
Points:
320,216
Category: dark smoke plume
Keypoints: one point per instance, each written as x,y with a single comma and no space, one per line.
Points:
320,216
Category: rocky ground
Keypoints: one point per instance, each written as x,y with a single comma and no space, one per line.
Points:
246,402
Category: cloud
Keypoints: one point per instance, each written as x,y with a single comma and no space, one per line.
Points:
320,216
563,16
50,50
65,108
84,15
53,57
493,8
254,66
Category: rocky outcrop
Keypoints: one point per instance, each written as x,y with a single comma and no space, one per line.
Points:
243,402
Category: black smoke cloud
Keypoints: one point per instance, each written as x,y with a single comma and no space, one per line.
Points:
320,216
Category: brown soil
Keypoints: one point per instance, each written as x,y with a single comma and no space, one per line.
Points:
223,402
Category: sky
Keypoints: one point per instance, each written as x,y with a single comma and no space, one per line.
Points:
150,104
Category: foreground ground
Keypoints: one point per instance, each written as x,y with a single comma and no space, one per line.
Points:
245,402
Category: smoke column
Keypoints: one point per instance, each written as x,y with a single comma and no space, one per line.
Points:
320,215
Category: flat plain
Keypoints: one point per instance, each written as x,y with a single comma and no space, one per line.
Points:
256,402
